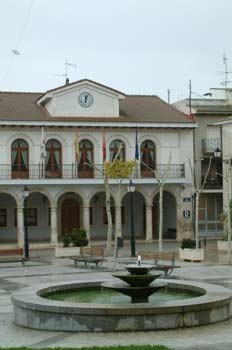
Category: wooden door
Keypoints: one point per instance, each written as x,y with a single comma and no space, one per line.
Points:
70,214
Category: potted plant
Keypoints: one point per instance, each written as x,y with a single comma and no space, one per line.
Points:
189,252
222,244
72,242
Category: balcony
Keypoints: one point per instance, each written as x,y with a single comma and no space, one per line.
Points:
72,171
212,183
209,145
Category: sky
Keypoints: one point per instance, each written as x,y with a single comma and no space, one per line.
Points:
134,46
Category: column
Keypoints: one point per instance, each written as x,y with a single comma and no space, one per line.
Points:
118,221
54,233
86,220
149,233
20,227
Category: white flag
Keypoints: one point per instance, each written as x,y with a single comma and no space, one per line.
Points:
42,146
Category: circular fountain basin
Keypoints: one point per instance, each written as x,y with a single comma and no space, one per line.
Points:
32,310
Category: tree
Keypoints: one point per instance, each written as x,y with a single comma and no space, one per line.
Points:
197,191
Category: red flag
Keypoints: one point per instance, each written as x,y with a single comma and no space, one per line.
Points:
76,145
104,146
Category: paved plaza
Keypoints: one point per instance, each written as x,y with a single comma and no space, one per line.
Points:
43,267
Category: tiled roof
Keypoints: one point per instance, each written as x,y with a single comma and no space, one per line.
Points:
22,106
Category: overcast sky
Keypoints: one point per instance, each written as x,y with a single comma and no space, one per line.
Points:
135,46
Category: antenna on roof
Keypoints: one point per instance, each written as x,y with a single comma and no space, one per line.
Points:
67,64
169,93
226,81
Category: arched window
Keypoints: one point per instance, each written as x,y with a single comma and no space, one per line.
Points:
19,159
114,147
147,154
53,159
85,168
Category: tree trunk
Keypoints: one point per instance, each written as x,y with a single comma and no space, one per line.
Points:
108,212
160,218
229,224
197,219
116,234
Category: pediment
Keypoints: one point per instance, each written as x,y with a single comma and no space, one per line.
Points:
82,98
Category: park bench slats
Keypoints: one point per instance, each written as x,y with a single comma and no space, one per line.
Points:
12,255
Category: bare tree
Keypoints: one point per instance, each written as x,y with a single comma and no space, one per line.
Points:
198,188
161,179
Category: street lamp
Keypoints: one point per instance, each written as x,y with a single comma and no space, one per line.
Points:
217,153
26,193
131,189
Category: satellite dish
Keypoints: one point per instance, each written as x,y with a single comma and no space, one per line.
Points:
15,52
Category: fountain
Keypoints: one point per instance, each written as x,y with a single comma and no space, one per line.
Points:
34,309
137,282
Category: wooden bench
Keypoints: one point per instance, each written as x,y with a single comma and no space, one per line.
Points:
90,255
12,255
157,256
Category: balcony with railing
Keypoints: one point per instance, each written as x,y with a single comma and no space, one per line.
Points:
209,145
73,171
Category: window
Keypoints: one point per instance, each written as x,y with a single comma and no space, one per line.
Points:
3,217
53,159
85,168
32,217
114,147
19,159
147,153
105,221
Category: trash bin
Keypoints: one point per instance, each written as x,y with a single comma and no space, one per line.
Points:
120,242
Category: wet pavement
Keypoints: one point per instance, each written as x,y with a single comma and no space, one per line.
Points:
44,267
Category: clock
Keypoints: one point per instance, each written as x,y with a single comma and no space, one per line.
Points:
85,99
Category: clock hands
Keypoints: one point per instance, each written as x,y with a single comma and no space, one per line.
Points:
86,97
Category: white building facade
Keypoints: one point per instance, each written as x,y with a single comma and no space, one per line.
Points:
64,193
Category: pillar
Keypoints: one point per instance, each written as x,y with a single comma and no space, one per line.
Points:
149,233
118,221
86,220
20,227
54,232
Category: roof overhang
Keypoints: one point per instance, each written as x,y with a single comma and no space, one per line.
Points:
99,124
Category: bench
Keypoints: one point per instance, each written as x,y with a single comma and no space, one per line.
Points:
90,255
12,255
157,256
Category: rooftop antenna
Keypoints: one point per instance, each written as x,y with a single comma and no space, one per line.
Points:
169,93
226,81
67,64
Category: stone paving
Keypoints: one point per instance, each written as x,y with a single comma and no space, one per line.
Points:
48,269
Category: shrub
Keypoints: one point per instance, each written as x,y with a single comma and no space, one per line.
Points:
76,238
188,243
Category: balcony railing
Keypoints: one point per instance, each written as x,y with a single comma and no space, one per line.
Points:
72,171
212,183
210,145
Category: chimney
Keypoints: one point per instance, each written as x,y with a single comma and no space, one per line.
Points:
67,81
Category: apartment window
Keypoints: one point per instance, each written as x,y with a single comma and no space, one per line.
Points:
3,217
114,147
19,159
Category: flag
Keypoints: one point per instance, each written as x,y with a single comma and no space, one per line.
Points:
42,146
76,145
104,146
136,146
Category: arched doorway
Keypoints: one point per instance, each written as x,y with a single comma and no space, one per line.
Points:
20,159
139,215
70,214
53,159
98,216
85,168
8,224
169,216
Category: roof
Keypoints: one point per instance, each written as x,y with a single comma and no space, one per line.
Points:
23,106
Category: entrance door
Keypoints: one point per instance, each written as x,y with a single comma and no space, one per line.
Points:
70,214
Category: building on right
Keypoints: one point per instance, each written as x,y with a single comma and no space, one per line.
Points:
213,114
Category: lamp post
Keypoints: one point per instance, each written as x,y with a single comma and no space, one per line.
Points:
26,193
131,189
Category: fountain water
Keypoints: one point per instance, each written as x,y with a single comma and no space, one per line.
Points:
138,282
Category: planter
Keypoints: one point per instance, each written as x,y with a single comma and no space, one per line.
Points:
222,246
191,254
63,252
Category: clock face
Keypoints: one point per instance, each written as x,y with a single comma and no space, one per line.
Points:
85,99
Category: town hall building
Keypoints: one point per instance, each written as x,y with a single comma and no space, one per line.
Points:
65,193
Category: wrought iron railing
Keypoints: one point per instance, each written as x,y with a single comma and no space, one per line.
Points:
72,171
210,145
212,182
